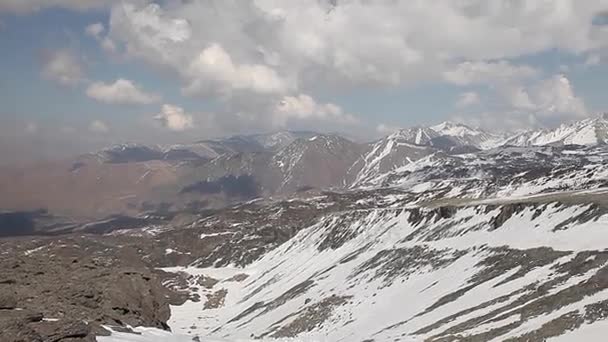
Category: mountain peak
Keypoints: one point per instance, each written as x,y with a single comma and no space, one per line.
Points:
445,124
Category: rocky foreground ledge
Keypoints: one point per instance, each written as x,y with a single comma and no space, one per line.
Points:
65,289
72,287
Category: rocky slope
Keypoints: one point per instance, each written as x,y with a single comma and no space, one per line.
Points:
129,179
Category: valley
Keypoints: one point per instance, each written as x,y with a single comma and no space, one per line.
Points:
397,241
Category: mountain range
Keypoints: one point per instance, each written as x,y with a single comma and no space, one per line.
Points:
401,239
131,178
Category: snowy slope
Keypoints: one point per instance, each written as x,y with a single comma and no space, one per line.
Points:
447,135
591,131
384,156
463,135
409,145
500,172
415,274
502,244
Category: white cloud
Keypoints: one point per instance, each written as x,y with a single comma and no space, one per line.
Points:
540,103
304,107
548,98
252,53
94,30
108,45
174,118
151,35
468,99
555,97
63,67
214,71
355,42
385,129
120,92
98,126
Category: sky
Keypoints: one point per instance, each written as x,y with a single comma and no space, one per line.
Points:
77,74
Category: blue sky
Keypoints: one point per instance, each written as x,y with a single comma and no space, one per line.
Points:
99,72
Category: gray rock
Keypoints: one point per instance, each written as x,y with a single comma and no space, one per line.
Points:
8,298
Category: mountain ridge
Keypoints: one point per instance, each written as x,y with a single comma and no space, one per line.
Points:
132,177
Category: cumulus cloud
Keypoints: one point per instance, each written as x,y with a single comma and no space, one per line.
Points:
555,98
150,34
256,53
304,107
551,98
120,92
63,67
174,118
98,126
345,41
214,71
541,103
96,31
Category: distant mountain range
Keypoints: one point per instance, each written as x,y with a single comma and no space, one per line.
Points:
446,136
129,178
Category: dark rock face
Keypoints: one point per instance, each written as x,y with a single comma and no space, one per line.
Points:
30,326
181,155
243,186
127,154
506,211
17,223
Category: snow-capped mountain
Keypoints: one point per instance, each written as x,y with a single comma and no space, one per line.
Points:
317,162
462,135
408,145
506,171
388,154
504,244
279,163
592,131
448,135
278,140
320,161
415,135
